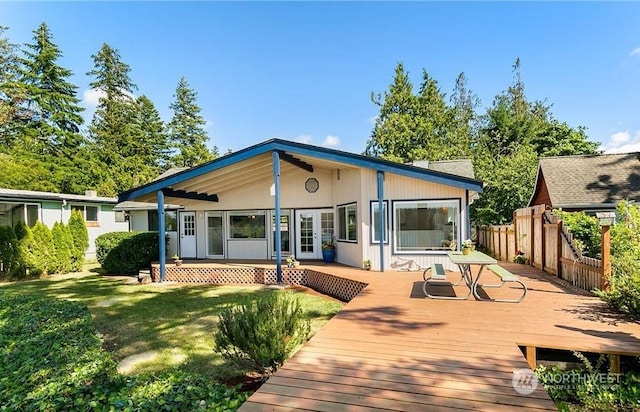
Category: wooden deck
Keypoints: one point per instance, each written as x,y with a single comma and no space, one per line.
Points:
390,348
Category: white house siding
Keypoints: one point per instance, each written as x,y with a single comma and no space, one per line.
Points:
347,189
402,188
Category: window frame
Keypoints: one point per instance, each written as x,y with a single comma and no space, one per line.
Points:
83,208
373,222
154,227
247,213
342,210
396,231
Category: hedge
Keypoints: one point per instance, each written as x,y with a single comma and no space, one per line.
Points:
51,360
126,252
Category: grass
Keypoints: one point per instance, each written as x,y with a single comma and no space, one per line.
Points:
155,327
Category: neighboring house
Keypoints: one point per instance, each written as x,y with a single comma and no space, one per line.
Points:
589,183
143,217
29,206
229,206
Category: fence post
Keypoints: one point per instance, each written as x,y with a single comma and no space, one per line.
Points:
532,225
605,236
543,242
559,250
515,230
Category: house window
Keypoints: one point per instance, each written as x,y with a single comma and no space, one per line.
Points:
247,225
215,234
348,223
170,220
90,214
424,225
375,222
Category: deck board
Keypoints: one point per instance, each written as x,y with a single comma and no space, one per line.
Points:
390,348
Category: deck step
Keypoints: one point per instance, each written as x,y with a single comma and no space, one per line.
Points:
144,276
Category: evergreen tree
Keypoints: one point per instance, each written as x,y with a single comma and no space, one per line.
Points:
11,92
63,248
465,120
80,236
395,125
187,129
53,122
117,130
42,248
154,143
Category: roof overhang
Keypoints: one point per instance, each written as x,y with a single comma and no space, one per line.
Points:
257,161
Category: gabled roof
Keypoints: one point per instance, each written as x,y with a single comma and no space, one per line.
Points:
460,167
590,180
287,151
13,194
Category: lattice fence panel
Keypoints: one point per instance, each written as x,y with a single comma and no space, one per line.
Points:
341,288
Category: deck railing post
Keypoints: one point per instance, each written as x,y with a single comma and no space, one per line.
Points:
381,216
605,274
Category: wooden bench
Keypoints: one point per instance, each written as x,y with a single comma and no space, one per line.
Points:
437,273
505,276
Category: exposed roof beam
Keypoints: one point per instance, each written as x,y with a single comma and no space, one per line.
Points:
295,161
181,194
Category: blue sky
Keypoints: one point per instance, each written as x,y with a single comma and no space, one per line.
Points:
304,71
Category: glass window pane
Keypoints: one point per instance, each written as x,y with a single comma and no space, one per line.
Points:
284,231
32,214
247,226
352,223
92,214
215,239
152,219
424,225
170,221
342,223
375,222
326,224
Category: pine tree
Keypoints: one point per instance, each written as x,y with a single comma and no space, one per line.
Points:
42,248
62,247
154,143
54,120
11,92
395,125
187,129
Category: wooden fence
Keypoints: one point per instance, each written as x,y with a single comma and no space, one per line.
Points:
546,244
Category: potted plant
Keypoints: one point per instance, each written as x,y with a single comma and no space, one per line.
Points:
328,251
292,262
177,260
467,247
366,264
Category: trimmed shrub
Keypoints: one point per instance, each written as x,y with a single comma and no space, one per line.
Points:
27,261
42,248
63,248
80,236
126,252
51,360
9,251
263,334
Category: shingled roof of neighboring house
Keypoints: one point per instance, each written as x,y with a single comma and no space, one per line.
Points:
579,182
461,167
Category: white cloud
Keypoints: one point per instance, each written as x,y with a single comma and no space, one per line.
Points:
208,124
620,137
635,51
303,138
331,141
372,120
623,142
91,97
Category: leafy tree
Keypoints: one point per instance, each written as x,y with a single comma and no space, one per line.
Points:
508,185
8,250
80,236
187,129
514,134
53,122
465,120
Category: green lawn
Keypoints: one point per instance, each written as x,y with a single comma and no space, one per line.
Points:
154,327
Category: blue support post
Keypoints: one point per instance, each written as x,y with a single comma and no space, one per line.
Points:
161,235
278,239
381,216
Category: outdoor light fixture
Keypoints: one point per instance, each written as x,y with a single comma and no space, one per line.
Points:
606,218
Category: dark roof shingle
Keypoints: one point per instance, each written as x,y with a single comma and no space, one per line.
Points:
591,179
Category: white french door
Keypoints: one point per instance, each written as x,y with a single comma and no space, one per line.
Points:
312,228
188,235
